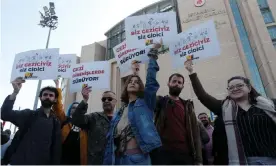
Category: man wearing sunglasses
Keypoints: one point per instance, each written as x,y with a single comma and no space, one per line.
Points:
96,124
38,140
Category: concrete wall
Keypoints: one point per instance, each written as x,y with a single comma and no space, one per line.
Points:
213,72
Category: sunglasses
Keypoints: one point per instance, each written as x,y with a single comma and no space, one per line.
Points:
47,94
107,98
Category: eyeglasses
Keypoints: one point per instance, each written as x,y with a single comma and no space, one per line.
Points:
107,98
238,87
47,94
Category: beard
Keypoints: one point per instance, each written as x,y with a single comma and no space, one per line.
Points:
205,123
175,91
47,103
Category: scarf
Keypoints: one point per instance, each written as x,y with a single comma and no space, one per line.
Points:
236,153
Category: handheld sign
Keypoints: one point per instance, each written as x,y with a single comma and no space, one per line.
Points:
125,56
65,63
197,43
36,64
95,74
148,29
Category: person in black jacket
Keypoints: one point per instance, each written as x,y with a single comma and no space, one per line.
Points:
41,142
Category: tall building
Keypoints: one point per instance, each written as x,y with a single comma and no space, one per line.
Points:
247,34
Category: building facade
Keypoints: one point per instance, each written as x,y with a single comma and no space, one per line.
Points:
247,34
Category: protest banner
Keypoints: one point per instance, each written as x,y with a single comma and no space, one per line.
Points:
39,64
94,74
147,29
65,62
197,43
125,56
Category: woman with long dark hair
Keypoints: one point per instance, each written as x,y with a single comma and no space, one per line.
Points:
132,135
249,120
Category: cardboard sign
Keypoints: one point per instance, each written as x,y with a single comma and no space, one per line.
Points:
147,29
95,74
197,43
36,64
125,56
65,64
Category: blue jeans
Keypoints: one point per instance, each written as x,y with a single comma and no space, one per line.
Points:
133,159
261,161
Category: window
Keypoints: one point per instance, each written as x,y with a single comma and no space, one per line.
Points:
267,15
256,78
272,32
266,12
262,4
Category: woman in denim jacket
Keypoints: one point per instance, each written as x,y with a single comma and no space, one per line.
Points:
132,134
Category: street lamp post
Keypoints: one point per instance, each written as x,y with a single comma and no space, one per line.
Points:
50,20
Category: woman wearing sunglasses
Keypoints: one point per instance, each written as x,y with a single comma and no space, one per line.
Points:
249,121
132,134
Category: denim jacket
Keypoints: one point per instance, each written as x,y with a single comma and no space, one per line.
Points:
140,118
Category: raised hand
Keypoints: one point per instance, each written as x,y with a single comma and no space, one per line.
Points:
158,45
85,92
189,66
135,67
57,83
17,84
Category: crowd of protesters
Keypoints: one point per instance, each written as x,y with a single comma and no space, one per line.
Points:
147,129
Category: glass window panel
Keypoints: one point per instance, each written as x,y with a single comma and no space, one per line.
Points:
262,3
151,10
115,30
272,32
165,5
123,36
267,15
274,43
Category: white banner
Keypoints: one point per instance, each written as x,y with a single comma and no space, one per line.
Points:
125,56
147,29
197,43
65,64
95,74
36,64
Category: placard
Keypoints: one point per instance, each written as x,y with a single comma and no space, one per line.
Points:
197,43
94,74
125,56
39,64
65,64
145,30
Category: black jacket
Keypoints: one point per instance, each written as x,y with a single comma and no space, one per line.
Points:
97,126
41,145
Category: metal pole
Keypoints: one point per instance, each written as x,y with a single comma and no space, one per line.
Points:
39,82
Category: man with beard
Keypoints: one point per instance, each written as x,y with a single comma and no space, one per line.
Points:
203,117
177,125
38,140
96,124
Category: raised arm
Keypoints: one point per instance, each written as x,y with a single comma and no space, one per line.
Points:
18,118
58,107
207,100
79,118
152,85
